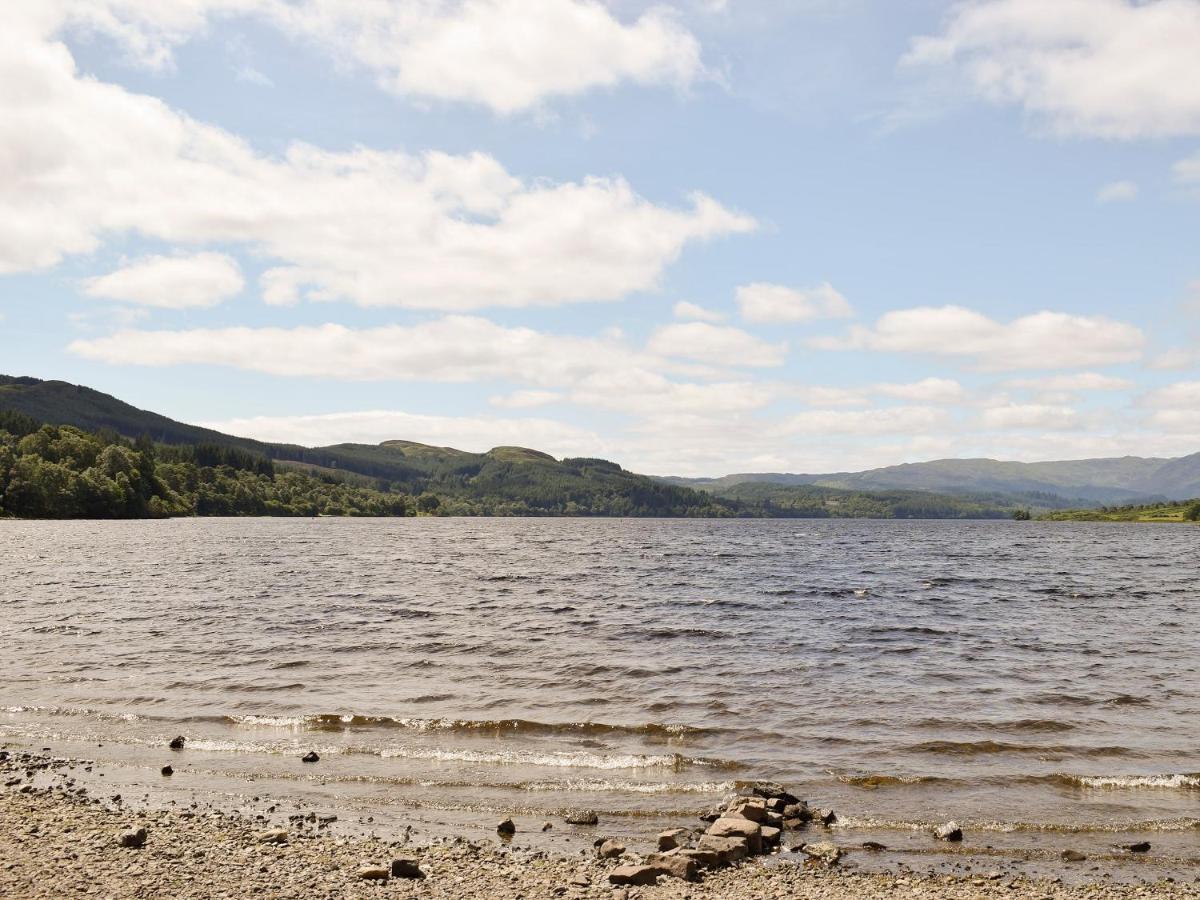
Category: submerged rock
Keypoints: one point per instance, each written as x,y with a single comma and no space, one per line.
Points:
581,817
167,770
506,827
177,742
873,846
310,757
948,832
824,851
1140,847
1073,856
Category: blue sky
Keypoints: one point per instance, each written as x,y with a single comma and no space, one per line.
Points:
701,238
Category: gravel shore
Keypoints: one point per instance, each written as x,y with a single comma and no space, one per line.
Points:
58,842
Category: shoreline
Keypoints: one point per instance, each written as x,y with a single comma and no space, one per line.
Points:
62,837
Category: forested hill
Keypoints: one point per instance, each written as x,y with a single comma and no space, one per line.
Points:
68,451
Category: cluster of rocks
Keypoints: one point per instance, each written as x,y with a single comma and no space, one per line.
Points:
750,824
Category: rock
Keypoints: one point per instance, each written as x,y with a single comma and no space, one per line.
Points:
506,827
373,873
177,742
310,757
824,816
771,790
673,865
406,867
670,840
546,826
824,851
610,850
1073,856
775,804
272,836
167,770
753,809
748,831
581,817
798,811
712,814
873,846
770,835
704,859
774,819
727,849
948,832
134,837
634,875
1140,847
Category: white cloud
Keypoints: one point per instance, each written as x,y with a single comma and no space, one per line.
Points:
82,160
762,302
640,391
525,399
1082,381
171,282
928,390
475,434
508,55
1031,415
1182,393
685,310
1117,192
883,420
1188,170
715,344
450,349
1175,358
1043,340
1102,68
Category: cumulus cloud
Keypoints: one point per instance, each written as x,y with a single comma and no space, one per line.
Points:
1043,340
927,390
525,399
762,302
83,160
375,426
685,310
1081,381
715,344
1121,69
883,420
1117,192
508,55
171,282
1188,170
1031,415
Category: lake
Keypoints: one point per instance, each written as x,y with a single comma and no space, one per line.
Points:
1037,682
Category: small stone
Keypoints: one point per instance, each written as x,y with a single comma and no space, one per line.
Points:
1140,847
611,850
546,826
406,867
310,757
1073,856
167,770
272,836
506,827
133,838
634,875
824,816
948,832
873,846
177,742
670,840
373,873
825,851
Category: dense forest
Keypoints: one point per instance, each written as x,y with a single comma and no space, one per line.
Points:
812,502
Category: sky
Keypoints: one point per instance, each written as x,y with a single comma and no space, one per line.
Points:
695,238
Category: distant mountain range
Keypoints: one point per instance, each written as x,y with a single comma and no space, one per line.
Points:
1083,482
514,479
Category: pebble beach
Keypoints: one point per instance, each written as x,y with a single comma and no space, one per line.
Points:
62,841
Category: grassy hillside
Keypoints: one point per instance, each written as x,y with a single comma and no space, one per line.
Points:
1188,511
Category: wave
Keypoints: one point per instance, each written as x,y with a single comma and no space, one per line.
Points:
1187,781
350,722
873,781
978,748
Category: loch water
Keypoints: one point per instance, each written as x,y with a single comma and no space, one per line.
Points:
1039,682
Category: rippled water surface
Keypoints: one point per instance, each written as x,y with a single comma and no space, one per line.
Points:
1021,677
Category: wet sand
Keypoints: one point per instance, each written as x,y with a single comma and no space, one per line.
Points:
62,838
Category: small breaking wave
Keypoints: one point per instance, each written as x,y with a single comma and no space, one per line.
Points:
1169,782
352,722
